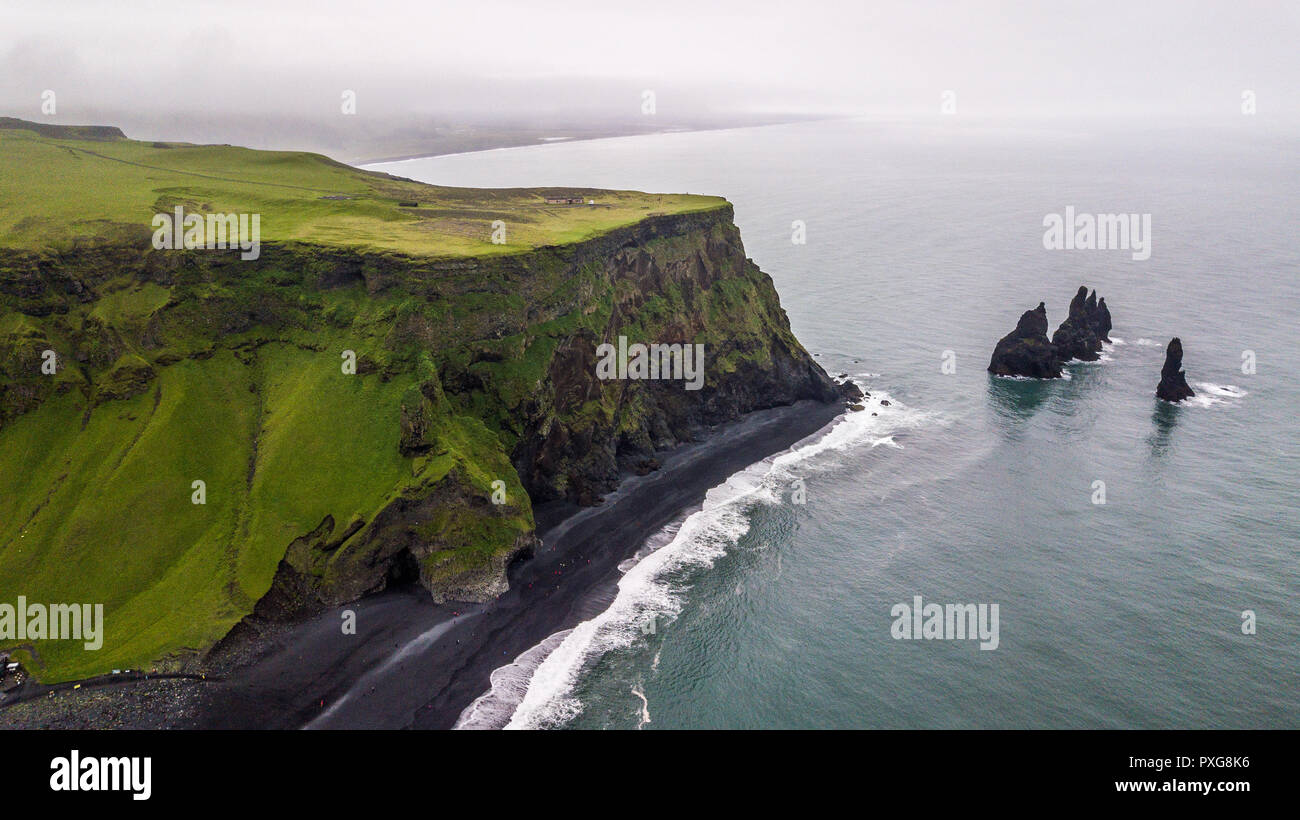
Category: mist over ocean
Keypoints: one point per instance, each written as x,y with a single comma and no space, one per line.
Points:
925,239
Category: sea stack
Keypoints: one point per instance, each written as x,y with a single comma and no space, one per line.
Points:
1026,351
1173,381
1084,329
1101,320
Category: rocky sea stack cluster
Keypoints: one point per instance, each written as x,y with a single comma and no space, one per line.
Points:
1026,351
1084,329
1173,380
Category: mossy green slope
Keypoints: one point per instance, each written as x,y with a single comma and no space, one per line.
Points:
472,368
97,495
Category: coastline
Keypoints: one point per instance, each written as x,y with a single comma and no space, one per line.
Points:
413,664
292,674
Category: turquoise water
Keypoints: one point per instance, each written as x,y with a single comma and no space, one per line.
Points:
923,239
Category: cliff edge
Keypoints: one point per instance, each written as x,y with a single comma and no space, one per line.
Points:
189,436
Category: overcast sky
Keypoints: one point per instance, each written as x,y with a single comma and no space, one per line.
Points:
1150,59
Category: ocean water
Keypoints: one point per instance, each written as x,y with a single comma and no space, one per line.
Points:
923,246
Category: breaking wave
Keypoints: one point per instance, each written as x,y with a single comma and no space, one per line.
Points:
1208,394
536,691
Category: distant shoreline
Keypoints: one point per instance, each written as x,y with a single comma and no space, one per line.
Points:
559,139
531,143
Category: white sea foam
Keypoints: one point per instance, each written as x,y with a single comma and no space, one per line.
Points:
1209,394
1229,391
1065,374
650,586
493,708
1108,349
1102,358
1149,343
644,718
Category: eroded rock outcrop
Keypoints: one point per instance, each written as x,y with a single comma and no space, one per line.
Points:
580,433
1026,351
1085,328
1102,320
1173,380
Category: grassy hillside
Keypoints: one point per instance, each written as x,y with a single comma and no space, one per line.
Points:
56,191
475,365
96,496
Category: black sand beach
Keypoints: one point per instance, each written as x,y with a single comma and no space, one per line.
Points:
412,664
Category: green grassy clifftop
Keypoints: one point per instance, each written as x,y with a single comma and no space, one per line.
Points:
63,187
474,392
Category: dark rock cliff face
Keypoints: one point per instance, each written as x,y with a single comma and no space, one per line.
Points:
671,280
1173,380
570,434
663,292
394,548
1026,351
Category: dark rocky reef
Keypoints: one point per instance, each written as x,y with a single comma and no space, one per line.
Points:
1026,351
1084,329
1173,380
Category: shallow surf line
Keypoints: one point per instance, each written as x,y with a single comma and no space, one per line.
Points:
539,697
1228,391
1209,394
493,708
